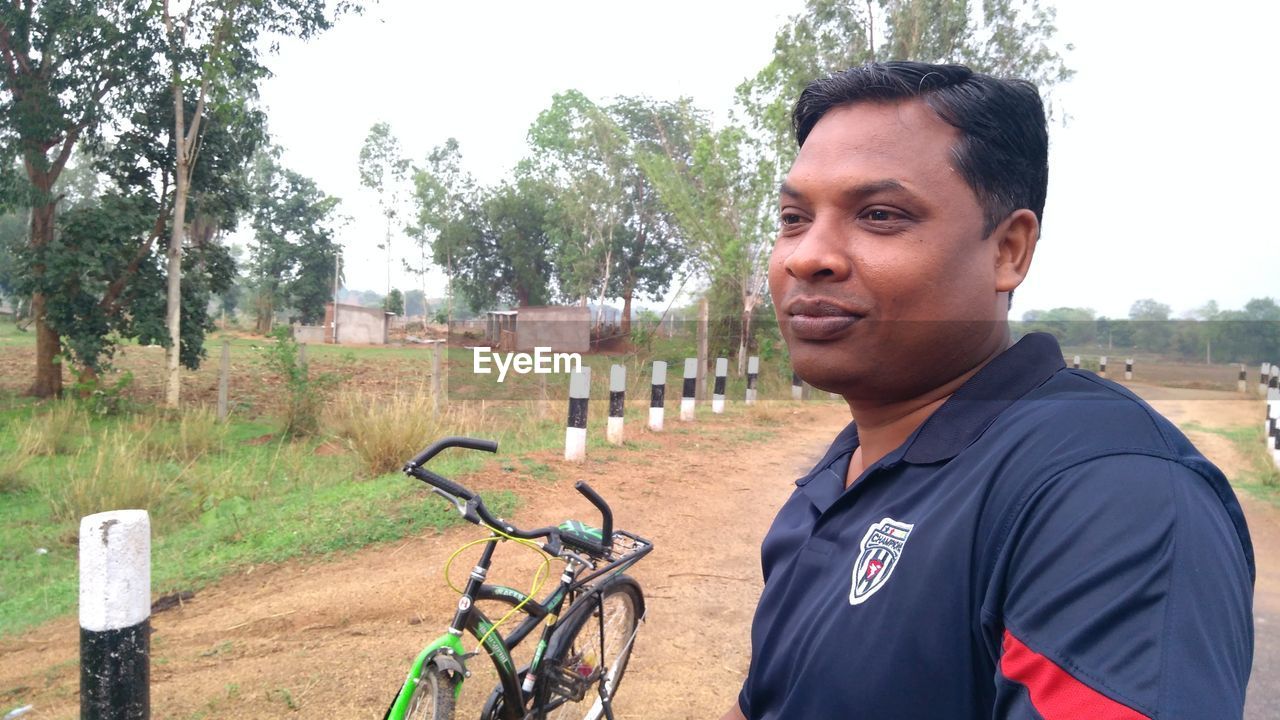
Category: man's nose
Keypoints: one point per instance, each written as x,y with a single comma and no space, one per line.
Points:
821,254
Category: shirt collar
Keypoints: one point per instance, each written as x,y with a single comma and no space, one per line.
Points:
961,419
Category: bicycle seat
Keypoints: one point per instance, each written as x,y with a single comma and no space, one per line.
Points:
581,536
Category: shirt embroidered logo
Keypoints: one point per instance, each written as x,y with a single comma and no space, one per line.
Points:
878,556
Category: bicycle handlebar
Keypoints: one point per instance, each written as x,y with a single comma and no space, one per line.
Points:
473,508
447,442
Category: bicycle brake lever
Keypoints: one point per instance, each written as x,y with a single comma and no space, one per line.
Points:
454,501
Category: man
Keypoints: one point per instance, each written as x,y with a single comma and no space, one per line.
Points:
994,536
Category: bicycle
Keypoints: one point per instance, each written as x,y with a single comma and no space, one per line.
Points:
580,649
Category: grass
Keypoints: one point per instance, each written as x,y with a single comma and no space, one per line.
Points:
1262,478
220,498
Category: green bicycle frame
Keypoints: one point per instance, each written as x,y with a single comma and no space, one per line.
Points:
401,704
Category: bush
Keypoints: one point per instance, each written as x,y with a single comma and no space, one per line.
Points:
304,393
385,433
190,435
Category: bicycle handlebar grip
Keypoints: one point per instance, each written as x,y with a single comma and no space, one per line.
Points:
606,515
443,483
447,442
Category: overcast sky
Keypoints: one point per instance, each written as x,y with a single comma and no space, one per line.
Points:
1161,182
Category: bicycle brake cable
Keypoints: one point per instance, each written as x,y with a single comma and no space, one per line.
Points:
539,576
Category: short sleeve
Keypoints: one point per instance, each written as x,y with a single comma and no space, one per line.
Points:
1121,591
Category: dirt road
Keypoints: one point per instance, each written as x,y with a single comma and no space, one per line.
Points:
332,639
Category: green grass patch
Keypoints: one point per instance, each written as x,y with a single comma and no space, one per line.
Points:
221,498
1261,479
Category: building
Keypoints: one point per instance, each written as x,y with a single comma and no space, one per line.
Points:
356,326
561,328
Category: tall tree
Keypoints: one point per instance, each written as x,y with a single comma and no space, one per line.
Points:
294,253
67,69
384,169
442,191
214,53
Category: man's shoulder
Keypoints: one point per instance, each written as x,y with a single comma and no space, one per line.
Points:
1076,415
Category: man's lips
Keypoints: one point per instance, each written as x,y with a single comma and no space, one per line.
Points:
817,319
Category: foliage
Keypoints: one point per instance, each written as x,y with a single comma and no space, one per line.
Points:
441,189
394,302
305,394
384,170
1008,38
294,253
386,432
101,398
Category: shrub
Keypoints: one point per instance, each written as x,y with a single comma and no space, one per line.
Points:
386,432
304,393
192,434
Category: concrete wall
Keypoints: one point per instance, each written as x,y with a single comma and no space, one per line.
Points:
563,329
361,326
309,333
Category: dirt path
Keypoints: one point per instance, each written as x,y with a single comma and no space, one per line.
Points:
332,639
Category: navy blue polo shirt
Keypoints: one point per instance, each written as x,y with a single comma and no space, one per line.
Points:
1044,546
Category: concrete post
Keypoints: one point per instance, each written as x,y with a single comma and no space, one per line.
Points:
717,397
617,403
115,616
575,433
658,396
688,401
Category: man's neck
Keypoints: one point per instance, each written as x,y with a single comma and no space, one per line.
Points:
883,427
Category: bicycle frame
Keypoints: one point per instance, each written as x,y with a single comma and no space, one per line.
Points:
447,651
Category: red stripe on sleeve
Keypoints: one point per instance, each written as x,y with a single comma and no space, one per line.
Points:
1055,694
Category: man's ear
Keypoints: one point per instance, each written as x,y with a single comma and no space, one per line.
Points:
1015,239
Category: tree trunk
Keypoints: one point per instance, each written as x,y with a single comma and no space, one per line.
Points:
744,345
625,325
48,382
174,269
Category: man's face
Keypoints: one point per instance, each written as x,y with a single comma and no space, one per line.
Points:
882,280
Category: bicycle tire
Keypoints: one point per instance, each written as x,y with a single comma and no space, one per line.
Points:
575,649
432,698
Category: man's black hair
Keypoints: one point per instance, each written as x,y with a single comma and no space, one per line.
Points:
1003,150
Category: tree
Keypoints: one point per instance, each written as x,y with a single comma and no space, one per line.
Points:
294,253
66,70
213,50
1010,38
394,302
442,191
1151,329
383,170
499,245
721,199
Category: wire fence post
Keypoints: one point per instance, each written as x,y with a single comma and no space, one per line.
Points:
658,396
224,380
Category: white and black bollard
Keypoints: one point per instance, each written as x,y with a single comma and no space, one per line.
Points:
575,432
753,374
688,400
1263,372
617,403
115,615
797,386
1075,365
658,398
1102,366
1243,384
717,391
1128,368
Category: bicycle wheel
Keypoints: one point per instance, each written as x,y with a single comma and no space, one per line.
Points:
432,698
569,686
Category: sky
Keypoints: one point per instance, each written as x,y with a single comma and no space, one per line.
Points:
1162,167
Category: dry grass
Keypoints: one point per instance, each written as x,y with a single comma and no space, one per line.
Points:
12,479
55,431
386,431
191,435
114,475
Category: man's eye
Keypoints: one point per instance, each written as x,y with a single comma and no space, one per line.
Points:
881,215
789,219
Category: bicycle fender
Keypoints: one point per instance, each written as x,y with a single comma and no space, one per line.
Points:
429,654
